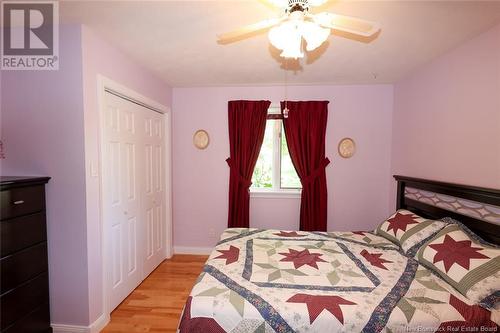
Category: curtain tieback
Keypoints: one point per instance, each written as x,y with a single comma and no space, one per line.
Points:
316,173
234,169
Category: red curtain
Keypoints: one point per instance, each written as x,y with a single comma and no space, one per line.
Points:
305,130
247,124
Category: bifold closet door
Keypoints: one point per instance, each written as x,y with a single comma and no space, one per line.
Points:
134,200
154,190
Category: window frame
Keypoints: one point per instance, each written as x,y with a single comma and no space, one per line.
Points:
274,113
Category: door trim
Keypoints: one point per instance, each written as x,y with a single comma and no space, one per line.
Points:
105,84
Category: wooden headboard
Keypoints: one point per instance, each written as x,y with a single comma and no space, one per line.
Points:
476,207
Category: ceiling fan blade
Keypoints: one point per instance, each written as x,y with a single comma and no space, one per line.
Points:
347,24
245,31
278,3
317,3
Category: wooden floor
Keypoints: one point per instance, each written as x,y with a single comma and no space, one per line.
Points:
156,305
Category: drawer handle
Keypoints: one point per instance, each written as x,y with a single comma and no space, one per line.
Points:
18,202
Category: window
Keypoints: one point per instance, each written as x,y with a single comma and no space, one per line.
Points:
274,171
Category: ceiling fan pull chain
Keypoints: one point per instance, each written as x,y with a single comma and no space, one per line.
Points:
285,110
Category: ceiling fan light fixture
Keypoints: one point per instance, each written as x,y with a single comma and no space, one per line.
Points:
286,32
278,37
293,52
287,37
314,35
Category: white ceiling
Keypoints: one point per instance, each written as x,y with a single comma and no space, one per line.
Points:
177,39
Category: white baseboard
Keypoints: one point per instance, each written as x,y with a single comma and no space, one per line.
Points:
95,327
100,323
60,328
192,250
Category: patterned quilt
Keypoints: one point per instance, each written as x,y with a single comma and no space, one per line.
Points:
286,281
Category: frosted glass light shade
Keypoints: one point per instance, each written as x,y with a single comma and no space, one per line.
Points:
314,35
288,37
278,36
294,51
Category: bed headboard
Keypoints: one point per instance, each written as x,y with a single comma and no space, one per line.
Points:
476,207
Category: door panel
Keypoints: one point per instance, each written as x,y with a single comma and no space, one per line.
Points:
117,263
157,167
115,165
132,245
149,232
154,193
130,171
149,168
134,194
121,196
158,231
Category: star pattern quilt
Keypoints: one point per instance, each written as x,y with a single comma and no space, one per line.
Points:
259,280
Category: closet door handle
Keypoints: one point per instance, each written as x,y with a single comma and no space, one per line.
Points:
18,202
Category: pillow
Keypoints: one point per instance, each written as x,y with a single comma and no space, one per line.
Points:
409,230
468,264
470,233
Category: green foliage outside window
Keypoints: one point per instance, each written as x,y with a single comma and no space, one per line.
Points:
262,174
262,177
289,177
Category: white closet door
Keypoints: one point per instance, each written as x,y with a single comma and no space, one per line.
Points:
134,199
123,207
154,190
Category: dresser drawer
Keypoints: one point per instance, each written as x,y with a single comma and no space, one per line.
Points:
19,302
22,232
21,201
36,322
22,266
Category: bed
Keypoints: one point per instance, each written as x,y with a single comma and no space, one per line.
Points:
259,280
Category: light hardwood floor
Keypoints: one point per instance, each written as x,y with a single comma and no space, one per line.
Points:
156,305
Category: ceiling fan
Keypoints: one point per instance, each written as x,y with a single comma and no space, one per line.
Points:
297,24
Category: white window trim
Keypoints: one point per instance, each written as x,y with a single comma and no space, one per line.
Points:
276,191
282,194
274,109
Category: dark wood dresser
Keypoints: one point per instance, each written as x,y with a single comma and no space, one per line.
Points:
24,280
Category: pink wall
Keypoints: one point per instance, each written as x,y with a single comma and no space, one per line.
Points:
42,130
200,178
99,57
447,116
49,123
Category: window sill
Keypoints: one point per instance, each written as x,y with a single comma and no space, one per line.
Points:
281,194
